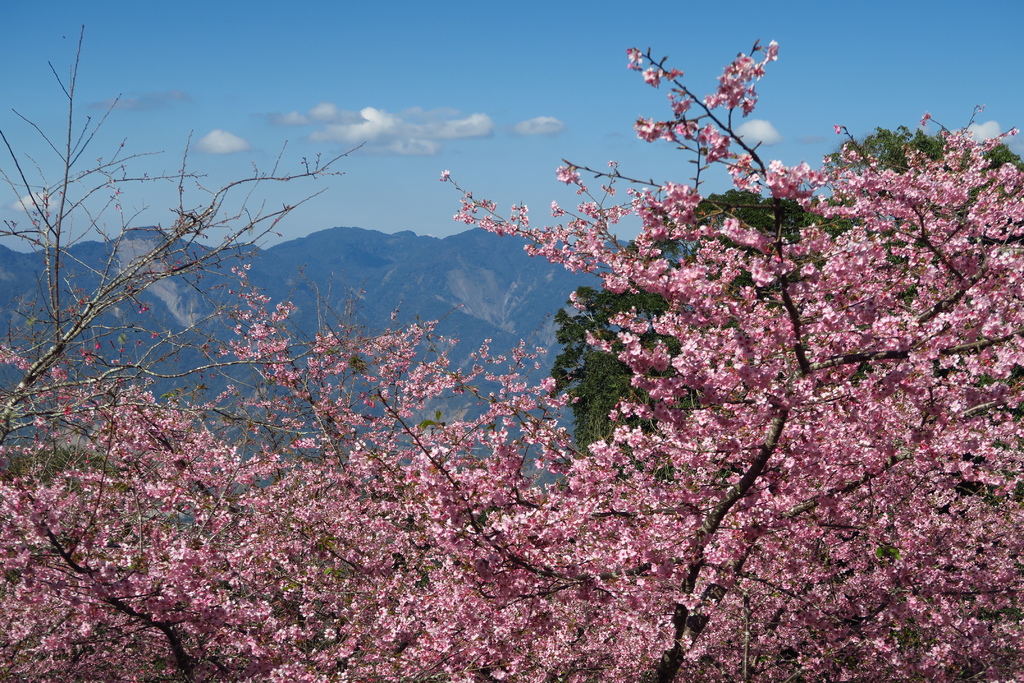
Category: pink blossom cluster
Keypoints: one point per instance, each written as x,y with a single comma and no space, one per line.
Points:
705,130
823,485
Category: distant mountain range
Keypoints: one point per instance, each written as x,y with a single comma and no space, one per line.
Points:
478,285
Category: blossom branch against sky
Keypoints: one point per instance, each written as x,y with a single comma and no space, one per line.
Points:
497,93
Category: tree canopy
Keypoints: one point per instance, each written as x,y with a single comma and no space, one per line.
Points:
597,380
889,149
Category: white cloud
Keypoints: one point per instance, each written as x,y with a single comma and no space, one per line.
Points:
27,204
1015,143
759,131
410,132
373,124
379,125
325,111
292,118
322,113
413,147
540,125
473,126
222,142
984,131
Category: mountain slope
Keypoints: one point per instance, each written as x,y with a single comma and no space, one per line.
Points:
478,285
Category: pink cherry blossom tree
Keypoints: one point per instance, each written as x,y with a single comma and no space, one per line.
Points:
837,497
843,501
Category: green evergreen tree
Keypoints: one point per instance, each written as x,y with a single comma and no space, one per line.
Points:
889,147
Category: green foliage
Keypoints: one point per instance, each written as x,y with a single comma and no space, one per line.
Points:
889,148
887,553
597,380
757,211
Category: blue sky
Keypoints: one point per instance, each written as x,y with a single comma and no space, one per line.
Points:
498,93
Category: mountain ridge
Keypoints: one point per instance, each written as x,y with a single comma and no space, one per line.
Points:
477,285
